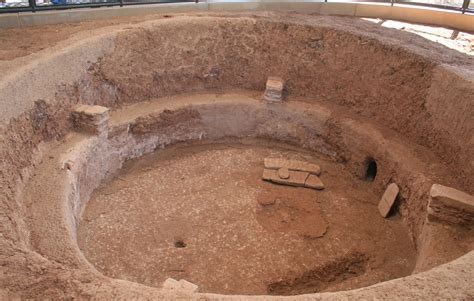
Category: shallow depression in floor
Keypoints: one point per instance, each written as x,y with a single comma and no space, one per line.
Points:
202,213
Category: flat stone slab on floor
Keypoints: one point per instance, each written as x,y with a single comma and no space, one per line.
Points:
277,163
451,206
315,182
295,178
292,178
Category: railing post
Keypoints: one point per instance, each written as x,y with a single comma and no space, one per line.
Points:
465,5
32,4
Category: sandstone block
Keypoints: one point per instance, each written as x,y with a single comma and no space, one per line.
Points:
450,206
388,199
274,89
283,173
314,182
296,178
91,119
295,165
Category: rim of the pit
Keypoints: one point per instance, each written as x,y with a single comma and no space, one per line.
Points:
13,6
455,14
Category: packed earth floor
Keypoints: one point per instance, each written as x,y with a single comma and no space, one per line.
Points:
202,213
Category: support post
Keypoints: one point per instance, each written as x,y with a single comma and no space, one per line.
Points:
465,5
32,4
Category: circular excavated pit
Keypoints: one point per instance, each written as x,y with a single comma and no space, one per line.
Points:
372,106
202,213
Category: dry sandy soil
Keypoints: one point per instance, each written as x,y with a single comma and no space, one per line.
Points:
18,42
355,92
209,199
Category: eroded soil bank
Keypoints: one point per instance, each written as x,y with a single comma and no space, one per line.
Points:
193,212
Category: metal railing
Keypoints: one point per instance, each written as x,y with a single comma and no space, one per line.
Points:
463,6
33,5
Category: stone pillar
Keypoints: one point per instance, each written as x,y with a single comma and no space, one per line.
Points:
91,119
274,89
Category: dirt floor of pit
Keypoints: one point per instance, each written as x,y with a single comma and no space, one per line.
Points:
193,212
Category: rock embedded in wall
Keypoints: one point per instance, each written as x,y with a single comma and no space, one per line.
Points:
91,119
451,206
274,89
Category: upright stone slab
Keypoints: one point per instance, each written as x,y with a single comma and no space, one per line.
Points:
451,206
91,119
274,89
388,199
